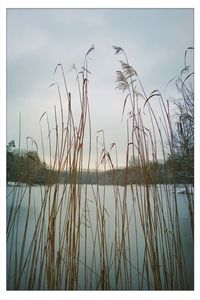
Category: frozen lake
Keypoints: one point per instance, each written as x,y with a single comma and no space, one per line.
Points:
111,231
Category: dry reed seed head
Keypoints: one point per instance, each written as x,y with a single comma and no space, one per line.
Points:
118,49
128,69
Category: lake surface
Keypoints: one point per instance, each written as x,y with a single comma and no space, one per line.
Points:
112,226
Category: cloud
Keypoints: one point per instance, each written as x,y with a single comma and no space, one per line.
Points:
39,39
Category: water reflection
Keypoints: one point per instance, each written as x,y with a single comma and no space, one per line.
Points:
116,212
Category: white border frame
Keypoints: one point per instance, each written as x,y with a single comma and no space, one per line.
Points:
83,295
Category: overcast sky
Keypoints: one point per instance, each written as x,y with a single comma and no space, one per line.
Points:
38,39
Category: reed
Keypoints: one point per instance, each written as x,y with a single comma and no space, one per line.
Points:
71,246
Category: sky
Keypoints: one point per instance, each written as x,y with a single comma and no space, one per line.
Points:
155,41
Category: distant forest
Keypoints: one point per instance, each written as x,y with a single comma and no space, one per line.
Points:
27,167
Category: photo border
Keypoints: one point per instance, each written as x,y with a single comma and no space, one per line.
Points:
74,295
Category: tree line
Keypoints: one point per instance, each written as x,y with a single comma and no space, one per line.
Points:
27,167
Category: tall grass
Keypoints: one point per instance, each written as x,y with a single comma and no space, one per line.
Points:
71,246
